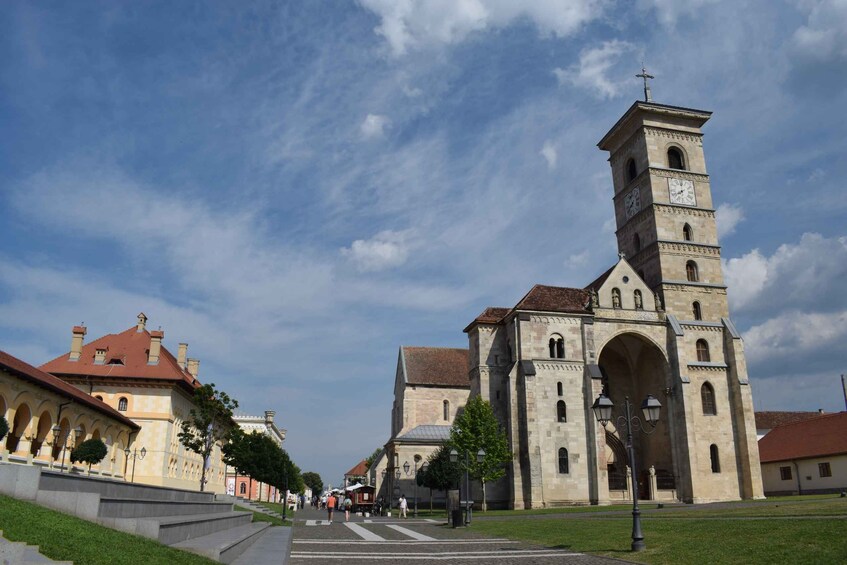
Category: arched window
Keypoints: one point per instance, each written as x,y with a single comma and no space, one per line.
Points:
561,411
703,351
636,242
691,271
707,396
713,455
639,300
242,488
98,397
563,461
557,347
616,298
695,309
631,171
559,389
447,410
687,233
675,159
122,404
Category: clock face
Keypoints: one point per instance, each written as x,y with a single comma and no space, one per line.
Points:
682,192
632,202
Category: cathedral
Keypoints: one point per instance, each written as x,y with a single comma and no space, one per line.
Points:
655,323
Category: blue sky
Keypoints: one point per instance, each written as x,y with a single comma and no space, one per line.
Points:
297,189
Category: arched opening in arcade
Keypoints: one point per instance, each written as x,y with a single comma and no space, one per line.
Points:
633,366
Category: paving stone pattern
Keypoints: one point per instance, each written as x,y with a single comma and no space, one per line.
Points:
417,541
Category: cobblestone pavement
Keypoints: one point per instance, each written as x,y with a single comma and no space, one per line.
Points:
418,541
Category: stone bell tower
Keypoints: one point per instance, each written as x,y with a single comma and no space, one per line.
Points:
663,207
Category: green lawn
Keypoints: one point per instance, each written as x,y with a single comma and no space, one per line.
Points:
757,534
259,517
66,538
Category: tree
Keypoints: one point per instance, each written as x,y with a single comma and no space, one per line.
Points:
441,474
372,457
210,422
90,451
313,481
477,428
4,427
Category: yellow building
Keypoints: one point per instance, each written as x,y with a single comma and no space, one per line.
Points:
47,418
136,375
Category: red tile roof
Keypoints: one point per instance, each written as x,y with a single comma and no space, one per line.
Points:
360,470
770,420
27,372
817,437
555,299
126,356
436,366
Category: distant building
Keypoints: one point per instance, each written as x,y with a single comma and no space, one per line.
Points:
359,471
805,457
766,421
242,485
136,375
48,417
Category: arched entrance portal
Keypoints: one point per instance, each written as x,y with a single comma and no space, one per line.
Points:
632,366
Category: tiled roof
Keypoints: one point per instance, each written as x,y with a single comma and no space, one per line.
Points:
817,437
27,372
770,420
126,356
436,366
359,470
427,432
555,299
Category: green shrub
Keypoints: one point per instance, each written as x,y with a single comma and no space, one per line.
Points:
91,451
4,427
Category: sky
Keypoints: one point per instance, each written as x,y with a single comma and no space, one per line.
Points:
297,189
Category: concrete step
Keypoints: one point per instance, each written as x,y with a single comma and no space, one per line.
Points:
135,508
226,545
273,548
53,481
174,529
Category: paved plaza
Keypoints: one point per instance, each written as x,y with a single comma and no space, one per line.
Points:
421,540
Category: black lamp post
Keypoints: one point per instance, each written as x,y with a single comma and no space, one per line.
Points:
424,469
651,407
134,454
480,457
384,473
77,434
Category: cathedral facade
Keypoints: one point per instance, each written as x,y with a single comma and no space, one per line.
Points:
656,323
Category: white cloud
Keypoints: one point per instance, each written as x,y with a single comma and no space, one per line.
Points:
384,250
591,73
374,125
810,274
579,259
409,24
795,334
728,216
824,36
669,11
548,151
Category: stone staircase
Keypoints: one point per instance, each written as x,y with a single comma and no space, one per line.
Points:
189,520
245,503
19,553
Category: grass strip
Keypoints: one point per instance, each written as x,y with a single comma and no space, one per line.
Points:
67,538
260,517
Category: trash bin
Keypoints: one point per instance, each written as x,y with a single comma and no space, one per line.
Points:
456,518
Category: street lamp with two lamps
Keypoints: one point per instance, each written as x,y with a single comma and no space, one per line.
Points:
406,468
480,457
135,454
651,408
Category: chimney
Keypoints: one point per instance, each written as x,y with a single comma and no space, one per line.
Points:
269,417
155,347
142,322
76,342
180,356
100,356
193,367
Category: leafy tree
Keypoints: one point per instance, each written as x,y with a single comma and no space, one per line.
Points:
372,457
210,422
477,428
441,474
4,427
313,481
90,451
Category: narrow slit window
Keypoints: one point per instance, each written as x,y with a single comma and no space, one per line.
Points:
563,461
561,411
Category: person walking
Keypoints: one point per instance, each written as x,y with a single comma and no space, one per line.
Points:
330,505
403,506
348,504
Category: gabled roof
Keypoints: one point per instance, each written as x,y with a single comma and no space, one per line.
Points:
770,420
555,299
126,356
436,366
817,437
598,282
28,373
360,470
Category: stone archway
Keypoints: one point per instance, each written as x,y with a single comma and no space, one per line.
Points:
634,366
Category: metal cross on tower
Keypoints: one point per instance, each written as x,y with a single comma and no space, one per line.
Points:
648,96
